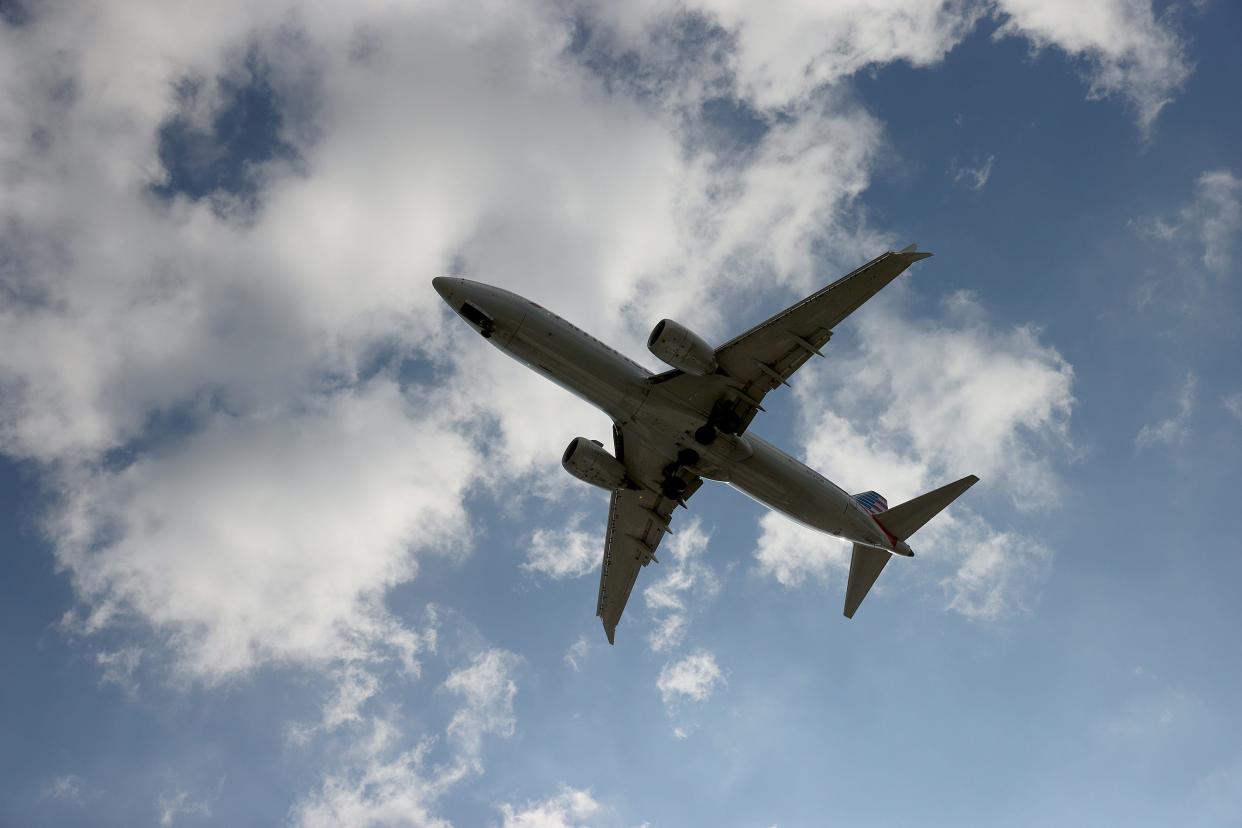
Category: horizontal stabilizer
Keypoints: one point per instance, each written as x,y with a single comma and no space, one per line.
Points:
866,564
904,520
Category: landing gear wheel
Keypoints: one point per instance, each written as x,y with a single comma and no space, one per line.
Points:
673,488
729,422
705,435
687,457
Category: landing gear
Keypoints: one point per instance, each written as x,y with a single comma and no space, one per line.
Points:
673,488
723,418
687,457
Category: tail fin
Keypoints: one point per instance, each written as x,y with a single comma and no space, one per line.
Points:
905,519
901,522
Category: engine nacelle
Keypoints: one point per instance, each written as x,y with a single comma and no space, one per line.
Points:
682,348
588,461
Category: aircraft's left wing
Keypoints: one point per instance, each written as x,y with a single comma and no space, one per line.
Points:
767,355
638,519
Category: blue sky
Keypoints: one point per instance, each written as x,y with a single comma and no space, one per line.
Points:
285,543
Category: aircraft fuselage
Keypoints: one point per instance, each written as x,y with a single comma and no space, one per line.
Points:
621,388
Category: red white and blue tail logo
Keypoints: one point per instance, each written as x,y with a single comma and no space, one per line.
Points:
873,502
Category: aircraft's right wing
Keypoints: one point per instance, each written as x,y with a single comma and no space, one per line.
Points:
767,355
638,519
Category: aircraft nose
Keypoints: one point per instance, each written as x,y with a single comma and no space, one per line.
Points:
444,287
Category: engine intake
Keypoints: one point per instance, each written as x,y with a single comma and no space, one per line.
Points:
588,461
682,348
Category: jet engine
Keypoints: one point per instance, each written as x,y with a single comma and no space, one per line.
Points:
681,348
588,461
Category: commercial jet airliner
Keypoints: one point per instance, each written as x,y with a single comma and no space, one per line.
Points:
672,430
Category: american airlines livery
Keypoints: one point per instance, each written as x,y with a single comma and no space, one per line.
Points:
672,430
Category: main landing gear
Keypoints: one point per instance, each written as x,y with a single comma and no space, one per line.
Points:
674,486
723,418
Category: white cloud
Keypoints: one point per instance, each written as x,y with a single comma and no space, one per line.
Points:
693,678
1217,217
1172,430
568,552
119,667
270,539
918,405
68,787
1128,51
179,804
379,784
779,55
378,789
488,690
684,584
786,50
576,654
567,809
973,177
1211,222
1233,404
790,552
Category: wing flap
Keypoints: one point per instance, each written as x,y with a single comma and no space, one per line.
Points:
638,519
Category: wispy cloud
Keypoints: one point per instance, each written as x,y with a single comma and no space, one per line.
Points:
1210,223
1233,404
179,804
684,583
1174,429
577,652
570,808
379,783
975,177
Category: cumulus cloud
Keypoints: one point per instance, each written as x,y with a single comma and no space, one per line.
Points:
568,552
685,583
198,380
693,678
269,539
1128,51
777,56
1173,429
567,809
920,404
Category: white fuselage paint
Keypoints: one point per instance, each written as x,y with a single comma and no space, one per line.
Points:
618,386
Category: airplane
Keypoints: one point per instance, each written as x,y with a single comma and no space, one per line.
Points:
674,429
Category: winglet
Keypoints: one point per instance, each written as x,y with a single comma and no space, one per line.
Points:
611,632
912,253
